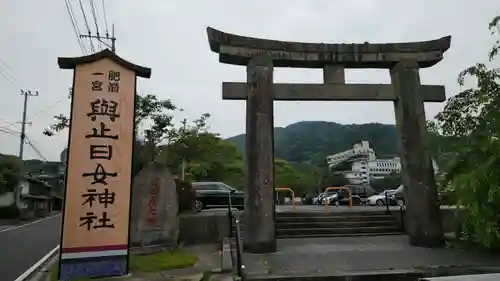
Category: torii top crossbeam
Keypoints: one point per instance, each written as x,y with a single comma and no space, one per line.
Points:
237,50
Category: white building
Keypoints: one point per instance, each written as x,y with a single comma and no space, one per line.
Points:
365,165
359,150
364,171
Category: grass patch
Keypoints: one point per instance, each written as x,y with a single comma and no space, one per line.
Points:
206,275
162,261
154,262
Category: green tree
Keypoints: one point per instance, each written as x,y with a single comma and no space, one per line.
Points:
9,173
148,109
187,141
211,158
326,176
471,120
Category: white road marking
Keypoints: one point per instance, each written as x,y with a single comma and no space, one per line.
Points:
30,223
39,263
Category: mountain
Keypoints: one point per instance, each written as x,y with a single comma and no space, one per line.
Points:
305,140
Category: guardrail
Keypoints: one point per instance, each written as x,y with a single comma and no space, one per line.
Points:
291,191
240,267
387,210
338,188
402,209
230,213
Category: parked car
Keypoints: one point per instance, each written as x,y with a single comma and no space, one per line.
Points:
356,200
318,199
360,193
400,195
336,195
363,191
331,196
210,195
379,199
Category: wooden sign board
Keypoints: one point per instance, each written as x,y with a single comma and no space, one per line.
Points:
96,214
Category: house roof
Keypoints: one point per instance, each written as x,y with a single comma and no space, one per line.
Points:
33,179
37,197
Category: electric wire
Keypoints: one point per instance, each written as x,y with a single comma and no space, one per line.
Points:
74,23
87,25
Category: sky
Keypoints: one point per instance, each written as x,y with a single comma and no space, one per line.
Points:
170,37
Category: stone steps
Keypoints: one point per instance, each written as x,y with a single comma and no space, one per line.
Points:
335,235
319,214
334,224
297,225
336,231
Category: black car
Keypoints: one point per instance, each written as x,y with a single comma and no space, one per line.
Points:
210,195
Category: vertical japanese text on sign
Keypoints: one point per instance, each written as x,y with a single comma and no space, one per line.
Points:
106,111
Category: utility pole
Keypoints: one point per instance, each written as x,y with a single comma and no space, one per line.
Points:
17,190
101,39
183,164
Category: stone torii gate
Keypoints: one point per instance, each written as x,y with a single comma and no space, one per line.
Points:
403,60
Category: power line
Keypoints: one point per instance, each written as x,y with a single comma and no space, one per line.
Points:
37,151
28,141
4,72
40,111
105,17
94,15
108,40
7,78
101,39
6,66
9,132
87,25
74,23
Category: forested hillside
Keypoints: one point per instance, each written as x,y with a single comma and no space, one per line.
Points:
305,140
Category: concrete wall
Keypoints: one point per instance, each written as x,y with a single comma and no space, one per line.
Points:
6,199
211,227
25,187
448,218
204,227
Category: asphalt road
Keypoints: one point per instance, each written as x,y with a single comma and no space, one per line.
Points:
22,247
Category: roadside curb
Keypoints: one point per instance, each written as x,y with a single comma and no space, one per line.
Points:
41,269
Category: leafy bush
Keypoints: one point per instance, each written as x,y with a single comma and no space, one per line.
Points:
475,180
186,195
470,120
9,212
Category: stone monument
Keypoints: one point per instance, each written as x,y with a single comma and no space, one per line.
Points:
155,221
403,60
